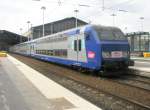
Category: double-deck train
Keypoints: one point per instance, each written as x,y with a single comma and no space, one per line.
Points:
91,47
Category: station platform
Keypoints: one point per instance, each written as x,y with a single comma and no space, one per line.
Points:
142,64
141,59
23,88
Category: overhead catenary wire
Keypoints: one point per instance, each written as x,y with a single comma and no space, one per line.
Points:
111,8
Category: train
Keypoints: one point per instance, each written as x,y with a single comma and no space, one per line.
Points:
89,47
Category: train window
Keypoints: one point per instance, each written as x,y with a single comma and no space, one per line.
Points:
52,52
45,52
57,52
75,45
109,33
80,44
83,44
33,47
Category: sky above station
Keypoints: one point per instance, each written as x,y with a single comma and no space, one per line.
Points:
14,14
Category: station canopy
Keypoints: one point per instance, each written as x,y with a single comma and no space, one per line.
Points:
11,38
8,39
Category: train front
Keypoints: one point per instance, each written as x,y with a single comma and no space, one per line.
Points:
115,49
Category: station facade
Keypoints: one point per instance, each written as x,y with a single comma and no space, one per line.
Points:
54,27
139,41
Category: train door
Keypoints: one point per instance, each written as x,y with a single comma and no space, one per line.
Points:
77,49
81,51
32,48
72,48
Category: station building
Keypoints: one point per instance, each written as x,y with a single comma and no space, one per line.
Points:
54,27
139,42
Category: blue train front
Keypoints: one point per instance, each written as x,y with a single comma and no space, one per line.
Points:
106,48
91,47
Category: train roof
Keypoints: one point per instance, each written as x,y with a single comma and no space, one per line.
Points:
82,29
105,27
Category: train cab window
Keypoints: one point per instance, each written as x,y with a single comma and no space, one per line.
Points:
109,33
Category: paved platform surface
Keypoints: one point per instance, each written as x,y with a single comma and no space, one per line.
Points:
22,88
17,92
141,59
143,66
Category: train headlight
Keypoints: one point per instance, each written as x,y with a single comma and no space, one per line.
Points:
106,54
91,54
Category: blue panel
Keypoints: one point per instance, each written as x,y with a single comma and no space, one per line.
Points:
62,61
115,46
93,44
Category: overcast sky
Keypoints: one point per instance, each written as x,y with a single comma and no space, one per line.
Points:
14,14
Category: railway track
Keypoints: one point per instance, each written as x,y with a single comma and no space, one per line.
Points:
140,78
137,81
103,92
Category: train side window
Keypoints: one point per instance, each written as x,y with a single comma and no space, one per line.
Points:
75,45
80,44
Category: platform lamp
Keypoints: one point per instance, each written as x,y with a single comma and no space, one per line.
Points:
28,22
59,2
76,23
43,8
103,7
113,15
20,34
31,32
141,18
